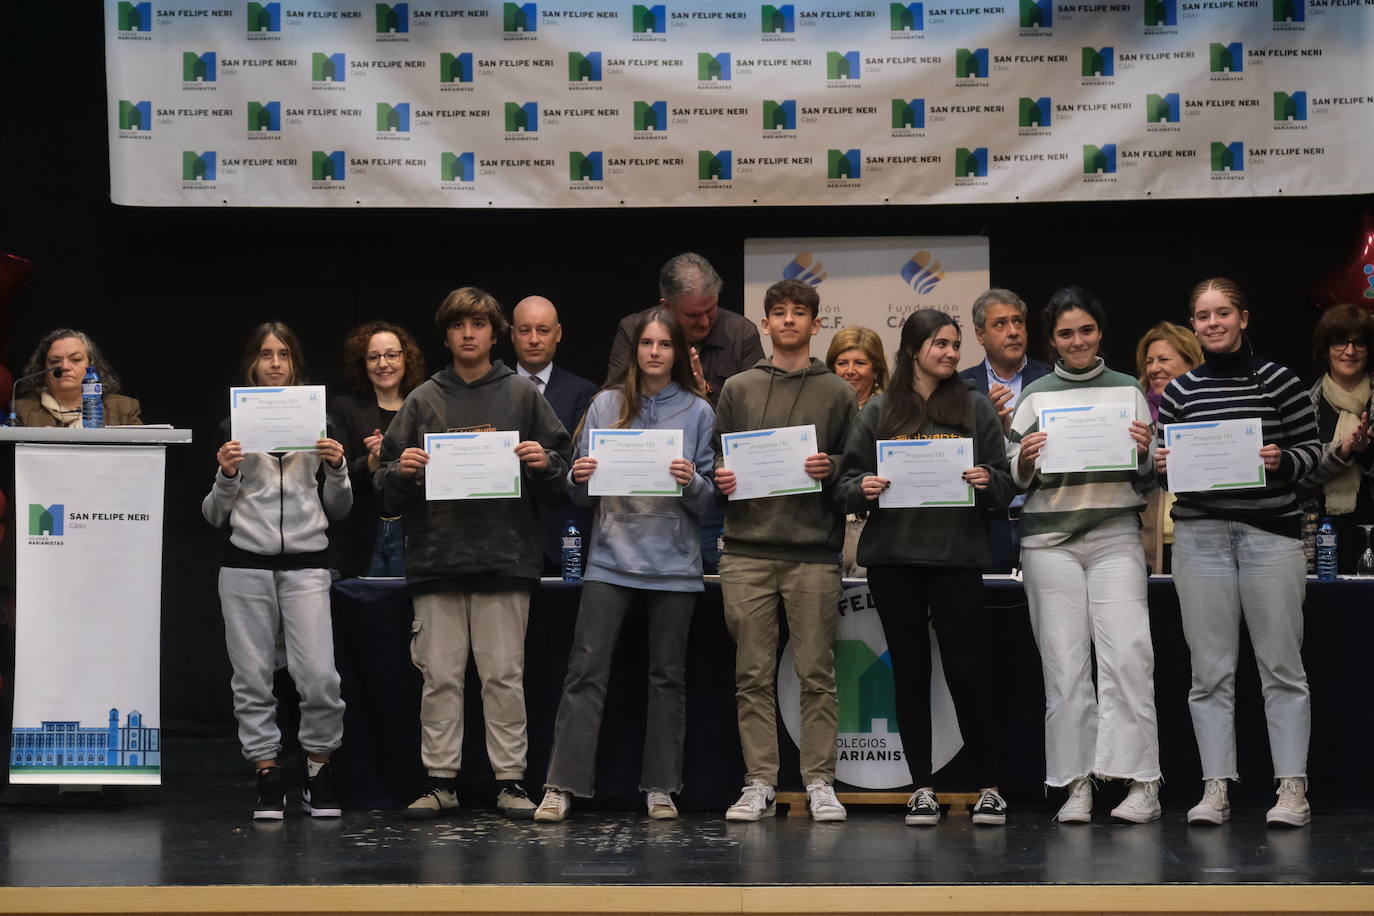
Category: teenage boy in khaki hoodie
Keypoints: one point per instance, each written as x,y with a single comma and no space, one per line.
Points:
785,550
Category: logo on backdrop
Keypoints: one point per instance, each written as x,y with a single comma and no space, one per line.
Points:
326,167
841,65
1288,106
1033,116
970,65
714,166
1160,14
713,68
46,521
198,167
842,165
971,163
521,118
1227,158
519,21
779,115
457,167
584,166
197,68
1225,61
264,116
454,68
868,744
805,267
393,18
133,20
393,119
1099,160
584,68
923,272
648,21
263,17
651,116
778,20
135,115
328,68
906,17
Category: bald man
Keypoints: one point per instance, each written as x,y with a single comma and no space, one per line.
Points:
535,332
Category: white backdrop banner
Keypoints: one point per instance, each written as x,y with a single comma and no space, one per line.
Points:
874,282
605,103
86,690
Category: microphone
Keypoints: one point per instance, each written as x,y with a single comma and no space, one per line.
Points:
55,371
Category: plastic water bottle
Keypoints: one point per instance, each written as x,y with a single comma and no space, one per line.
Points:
1326,550
572,553
92,400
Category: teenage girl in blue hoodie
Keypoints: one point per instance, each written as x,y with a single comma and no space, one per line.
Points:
644,549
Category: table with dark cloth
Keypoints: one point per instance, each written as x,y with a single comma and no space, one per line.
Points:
379,767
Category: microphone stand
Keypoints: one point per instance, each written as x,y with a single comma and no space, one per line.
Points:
55,371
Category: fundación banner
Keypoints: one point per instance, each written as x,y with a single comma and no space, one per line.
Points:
89,547
868,745
607,103
874,282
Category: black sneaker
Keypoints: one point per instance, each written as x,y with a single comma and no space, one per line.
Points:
271,804
922,810
513,800
318,797
990,810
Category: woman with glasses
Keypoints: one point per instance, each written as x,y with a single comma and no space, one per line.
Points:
383,364
1341,489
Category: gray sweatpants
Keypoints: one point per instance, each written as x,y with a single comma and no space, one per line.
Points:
258,606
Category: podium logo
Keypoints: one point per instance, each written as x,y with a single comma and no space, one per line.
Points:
971,163
584,166
906,17
1098,61
713,166
139,115
713,66
264,116
198,166
197,68
841,65
924,271
455,68
806,268
1287,107
520,17
134,17
522,118
1161,12
651,116
49,521
908,114
327,166
393,18
584,68
1036,14
1290,11
1099,160
971,64
1161,109
1034,112
456,167
1226,58
264,17
327,68
781,18
780,115
393,118
648,19
843,164
1228,157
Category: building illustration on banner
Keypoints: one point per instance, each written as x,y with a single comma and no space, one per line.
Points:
64,745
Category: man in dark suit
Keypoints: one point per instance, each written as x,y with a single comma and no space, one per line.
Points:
999,322
535,333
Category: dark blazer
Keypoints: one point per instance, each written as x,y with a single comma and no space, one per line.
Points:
569,395
978,375
732,346
354,417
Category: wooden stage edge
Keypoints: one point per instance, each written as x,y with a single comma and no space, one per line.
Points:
684,899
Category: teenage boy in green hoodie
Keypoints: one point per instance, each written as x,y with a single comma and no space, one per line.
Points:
785,549
472,564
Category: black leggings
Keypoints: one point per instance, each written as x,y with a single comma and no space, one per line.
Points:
951,597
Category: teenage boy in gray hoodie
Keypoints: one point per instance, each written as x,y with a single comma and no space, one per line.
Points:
472,564
785,549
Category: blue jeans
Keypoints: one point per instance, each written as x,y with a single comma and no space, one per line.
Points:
1224,570
389,549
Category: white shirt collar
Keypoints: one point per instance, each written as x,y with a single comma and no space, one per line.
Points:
544,374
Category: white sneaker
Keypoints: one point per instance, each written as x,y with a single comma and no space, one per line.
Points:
554,807
1141,804
1214,807
1292,809
758,800
660,805
824,805
1079,807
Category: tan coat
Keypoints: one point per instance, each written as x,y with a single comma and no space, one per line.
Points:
119,411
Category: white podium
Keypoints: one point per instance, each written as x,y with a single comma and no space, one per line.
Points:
88,548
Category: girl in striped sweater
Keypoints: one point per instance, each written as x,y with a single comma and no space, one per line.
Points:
1238,552
1085,578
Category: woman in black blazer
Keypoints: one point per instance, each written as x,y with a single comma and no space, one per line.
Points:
383,365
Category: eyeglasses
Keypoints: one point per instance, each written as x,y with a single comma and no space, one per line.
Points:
1359,345
391,356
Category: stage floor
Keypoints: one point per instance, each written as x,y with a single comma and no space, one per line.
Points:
197,831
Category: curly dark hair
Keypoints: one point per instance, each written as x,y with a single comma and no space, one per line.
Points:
39,360
355,356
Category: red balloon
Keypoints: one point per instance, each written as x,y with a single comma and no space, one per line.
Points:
1353,281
